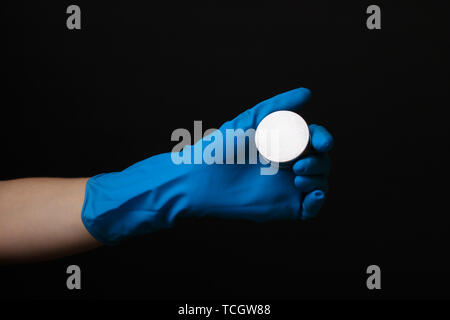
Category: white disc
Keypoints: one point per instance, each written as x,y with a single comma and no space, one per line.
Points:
282,136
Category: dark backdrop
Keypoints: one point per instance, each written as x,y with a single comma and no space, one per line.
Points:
77,103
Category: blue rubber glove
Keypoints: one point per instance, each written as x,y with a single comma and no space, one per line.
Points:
150,194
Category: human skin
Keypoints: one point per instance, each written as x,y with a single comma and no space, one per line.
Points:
40,219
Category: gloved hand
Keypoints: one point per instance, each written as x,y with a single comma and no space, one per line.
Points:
150,194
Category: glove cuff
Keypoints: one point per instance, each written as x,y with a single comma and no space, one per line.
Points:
138,200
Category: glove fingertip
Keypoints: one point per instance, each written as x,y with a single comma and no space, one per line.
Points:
322,140
312,203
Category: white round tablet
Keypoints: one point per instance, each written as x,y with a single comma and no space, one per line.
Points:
282,136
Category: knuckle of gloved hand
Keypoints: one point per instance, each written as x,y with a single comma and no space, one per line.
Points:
303,165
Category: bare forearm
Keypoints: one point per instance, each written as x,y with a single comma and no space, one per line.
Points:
40,218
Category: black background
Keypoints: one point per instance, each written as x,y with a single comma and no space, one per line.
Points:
80,102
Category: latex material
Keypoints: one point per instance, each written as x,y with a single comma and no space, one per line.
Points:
150,194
